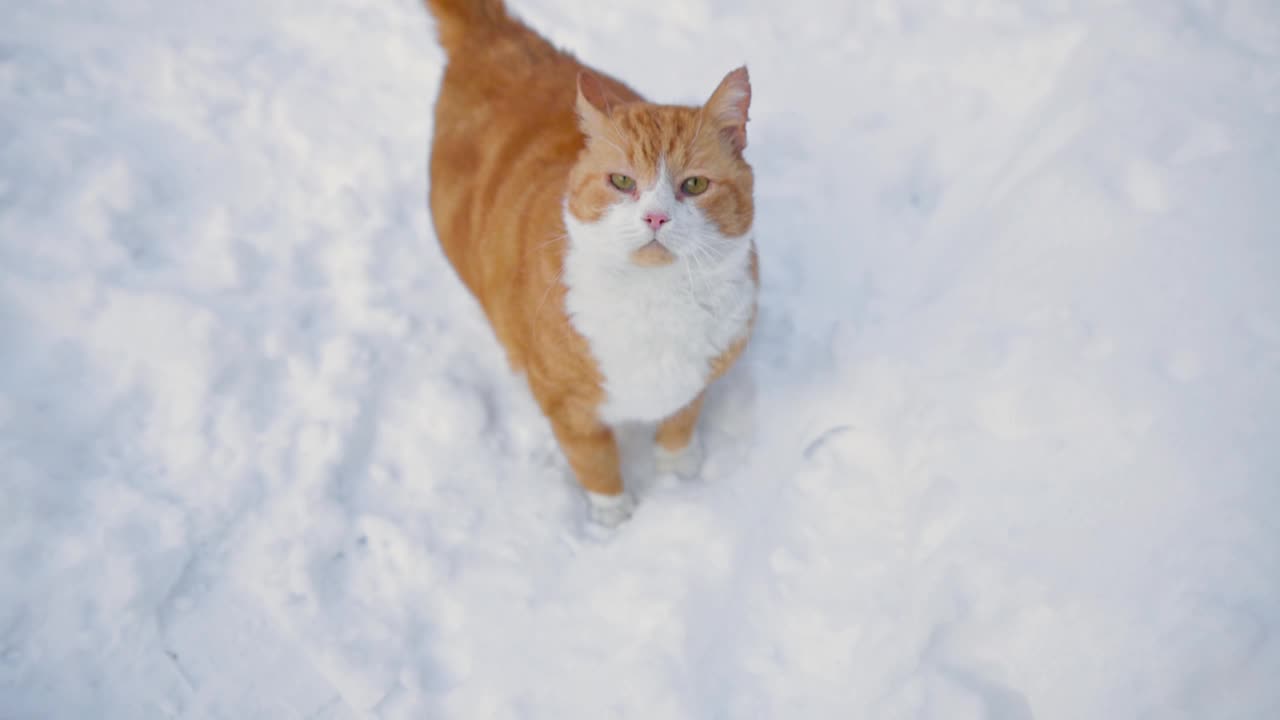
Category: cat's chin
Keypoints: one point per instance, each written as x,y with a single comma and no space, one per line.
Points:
653,254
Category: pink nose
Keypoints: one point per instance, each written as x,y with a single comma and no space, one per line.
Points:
656,219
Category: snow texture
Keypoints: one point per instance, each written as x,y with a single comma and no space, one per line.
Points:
1006,444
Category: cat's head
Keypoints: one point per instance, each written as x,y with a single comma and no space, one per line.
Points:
657,183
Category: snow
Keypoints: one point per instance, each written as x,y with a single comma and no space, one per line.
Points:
1006,444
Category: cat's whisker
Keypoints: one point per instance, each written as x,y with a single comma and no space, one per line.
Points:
537,314
695,264
688,271
548,243
701,246
700,253
554,239
713,269
697,270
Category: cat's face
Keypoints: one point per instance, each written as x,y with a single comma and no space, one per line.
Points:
660,183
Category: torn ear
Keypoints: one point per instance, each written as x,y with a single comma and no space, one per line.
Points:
594,104
728,107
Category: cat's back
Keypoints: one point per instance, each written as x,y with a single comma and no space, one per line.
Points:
503,122
505,137
504,73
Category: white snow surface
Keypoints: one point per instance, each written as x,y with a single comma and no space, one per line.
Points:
1006,444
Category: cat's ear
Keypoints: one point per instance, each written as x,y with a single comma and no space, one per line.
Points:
593,104
728,107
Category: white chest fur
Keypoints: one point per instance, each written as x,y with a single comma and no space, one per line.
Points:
655,331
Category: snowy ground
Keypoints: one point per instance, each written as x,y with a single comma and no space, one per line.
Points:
1006,445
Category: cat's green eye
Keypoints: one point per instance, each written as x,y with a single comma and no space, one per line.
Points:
622,182
695,185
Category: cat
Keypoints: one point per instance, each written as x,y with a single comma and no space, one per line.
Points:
608,240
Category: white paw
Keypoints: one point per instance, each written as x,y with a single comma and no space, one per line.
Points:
685,463
610,510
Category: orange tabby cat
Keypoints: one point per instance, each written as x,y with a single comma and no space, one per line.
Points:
608,239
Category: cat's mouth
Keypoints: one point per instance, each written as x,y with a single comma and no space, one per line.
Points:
653,254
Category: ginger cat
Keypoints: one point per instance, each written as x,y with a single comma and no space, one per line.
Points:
608,239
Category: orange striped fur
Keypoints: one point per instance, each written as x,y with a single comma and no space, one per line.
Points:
524,134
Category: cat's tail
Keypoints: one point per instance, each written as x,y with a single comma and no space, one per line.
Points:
456,20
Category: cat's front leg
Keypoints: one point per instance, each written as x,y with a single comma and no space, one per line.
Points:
592,452
677,448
